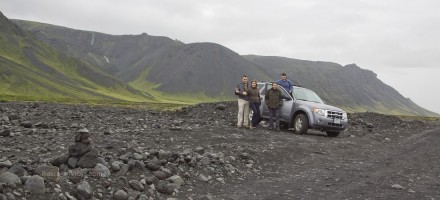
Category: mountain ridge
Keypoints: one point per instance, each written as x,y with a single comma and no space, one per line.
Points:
159,64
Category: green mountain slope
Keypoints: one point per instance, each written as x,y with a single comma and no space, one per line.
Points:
159,65
171,70
31,69
205,68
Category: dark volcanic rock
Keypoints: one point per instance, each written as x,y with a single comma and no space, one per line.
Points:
160,175
72,162
151,180
63,159
164,188
75,175
18,170
14,117
136,185
221,106
123,171
5,133
153,165
120,195
79,149
83,136
108,131
26,124
89,160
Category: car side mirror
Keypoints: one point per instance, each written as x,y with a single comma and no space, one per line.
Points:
287,98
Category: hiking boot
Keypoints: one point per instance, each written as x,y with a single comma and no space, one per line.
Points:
270,128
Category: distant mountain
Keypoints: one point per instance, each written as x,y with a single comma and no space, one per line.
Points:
347,86
31,69
152,62
169,68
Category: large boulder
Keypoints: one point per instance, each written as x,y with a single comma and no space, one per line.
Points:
83,190
89,160
60,160
35,185
10,179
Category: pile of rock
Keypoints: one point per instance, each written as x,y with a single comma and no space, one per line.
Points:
81,154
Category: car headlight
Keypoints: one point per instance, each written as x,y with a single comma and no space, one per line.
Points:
344,115
319,111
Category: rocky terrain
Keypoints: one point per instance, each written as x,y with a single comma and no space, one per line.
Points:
59,151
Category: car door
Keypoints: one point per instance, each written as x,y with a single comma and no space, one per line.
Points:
263,108
262,89
286,108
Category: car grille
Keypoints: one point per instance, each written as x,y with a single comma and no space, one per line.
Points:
336,125
334,114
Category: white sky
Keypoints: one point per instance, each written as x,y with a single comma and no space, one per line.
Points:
397,39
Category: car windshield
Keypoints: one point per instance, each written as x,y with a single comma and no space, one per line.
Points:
306,95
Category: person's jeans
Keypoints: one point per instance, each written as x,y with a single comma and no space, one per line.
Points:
243,113
274,112
255,106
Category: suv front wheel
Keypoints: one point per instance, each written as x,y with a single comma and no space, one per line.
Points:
301,124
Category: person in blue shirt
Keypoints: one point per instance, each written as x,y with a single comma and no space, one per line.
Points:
285,83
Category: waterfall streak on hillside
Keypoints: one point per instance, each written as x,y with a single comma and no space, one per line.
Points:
93,39
106,59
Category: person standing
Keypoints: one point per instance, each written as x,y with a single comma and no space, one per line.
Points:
243,102
274,101
285,83
254,103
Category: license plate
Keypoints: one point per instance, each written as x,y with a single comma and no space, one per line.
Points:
337,121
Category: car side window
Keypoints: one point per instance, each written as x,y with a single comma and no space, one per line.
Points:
268,86
261,88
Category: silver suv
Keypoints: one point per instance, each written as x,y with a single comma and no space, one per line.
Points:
305,110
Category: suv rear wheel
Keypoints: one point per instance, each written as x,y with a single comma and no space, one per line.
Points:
301,124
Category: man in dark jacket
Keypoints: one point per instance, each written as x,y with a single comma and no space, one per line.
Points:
274,101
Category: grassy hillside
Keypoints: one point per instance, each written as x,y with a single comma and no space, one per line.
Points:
168,68
32,70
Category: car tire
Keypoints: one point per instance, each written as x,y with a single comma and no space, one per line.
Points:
332,133
301,124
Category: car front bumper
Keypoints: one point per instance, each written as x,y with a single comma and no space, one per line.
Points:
328,124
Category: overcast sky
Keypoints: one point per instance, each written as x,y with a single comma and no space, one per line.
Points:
399,40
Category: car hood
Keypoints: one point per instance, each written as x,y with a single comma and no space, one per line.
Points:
320,105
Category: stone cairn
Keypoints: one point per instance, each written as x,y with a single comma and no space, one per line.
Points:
81,154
